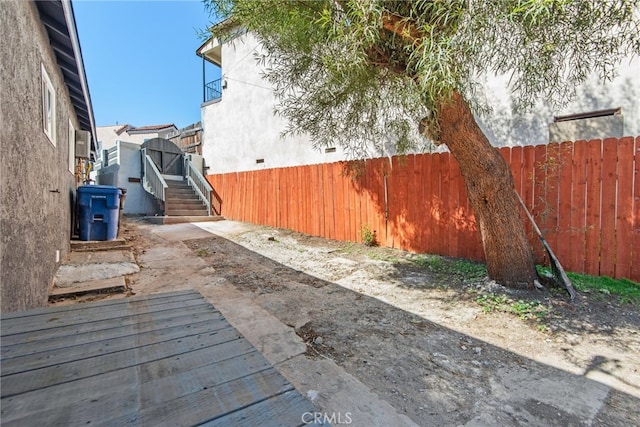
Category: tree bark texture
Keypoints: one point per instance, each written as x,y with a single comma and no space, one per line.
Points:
491,192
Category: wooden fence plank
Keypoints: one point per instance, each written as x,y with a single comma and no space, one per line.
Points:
540,210
553,167
594,168
578,231
608,209
429,211
328,199
305,200
454,217
378,175
354,204
425,222
311,196
338,201
515,164
624,211
292,200
401,201
563,245
635,236
528,167
415,201
436,204
320,200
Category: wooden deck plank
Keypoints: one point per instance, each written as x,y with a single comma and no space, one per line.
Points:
172,386
217,401
83,391
102,347
216,368
147,361
58,320
70,336
68,412
286,409
132,402
98,325
118,305
226,340
96,304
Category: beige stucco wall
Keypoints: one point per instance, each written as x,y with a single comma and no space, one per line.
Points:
37,187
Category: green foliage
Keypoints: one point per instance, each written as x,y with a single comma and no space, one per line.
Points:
363,73
624,289
368,236
523,309
466,270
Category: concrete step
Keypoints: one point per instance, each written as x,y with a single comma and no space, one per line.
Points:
173,184
192,202
187,190
181,219
186,212
99,286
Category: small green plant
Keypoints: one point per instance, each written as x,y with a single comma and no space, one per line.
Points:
368,236
625,290
432,262
525,310
467,271
203,252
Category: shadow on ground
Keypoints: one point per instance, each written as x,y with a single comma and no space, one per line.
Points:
431,373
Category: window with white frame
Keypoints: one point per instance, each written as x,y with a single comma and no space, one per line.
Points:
48,107
72,147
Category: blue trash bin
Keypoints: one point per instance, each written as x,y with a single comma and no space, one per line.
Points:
99,205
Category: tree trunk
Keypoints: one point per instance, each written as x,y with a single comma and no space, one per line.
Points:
492,195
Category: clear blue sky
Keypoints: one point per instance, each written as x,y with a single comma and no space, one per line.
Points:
140,60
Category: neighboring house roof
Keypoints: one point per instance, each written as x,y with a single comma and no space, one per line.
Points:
145,129
123,128
152,128
60,24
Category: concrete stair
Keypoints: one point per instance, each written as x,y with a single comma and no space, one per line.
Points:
182,200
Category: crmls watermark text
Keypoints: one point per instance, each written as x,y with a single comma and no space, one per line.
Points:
333,418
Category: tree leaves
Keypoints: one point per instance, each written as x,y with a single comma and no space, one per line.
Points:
365,73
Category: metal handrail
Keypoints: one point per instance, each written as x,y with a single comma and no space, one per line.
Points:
111,156
198,182
152,179
213,90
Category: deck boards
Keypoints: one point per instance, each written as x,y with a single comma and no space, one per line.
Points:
165,359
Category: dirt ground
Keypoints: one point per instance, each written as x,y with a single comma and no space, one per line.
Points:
406,330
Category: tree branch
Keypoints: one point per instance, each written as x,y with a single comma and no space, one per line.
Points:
401,27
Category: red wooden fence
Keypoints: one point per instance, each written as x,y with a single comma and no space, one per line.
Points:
585,197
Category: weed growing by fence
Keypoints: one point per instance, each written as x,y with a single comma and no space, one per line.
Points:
625,290
525,310
368,236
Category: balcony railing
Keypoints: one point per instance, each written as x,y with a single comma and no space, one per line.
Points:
213,90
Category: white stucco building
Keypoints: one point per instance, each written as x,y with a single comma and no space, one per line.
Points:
242,133
108,135
240,130
599,110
